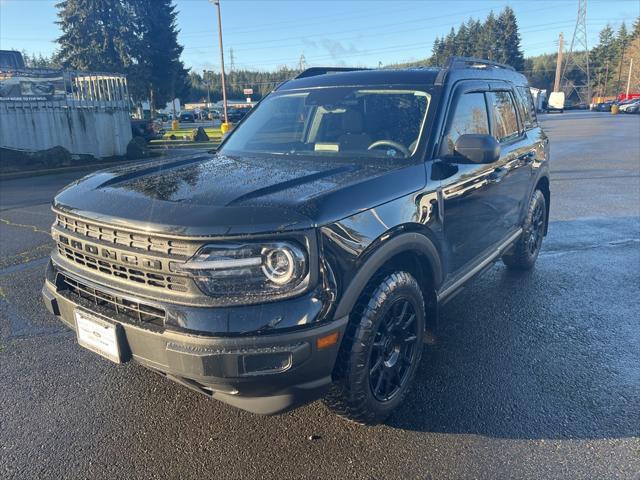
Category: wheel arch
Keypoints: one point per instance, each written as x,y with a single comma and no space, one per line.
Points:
544,187
412,252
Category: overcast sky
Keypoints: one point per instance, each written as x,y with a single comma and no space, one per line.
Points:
265,34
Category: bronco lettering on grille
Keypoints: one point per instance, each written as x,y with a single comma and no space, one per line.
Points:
127,258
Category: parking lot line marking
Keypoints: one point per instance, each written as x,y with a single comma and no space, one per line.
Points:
32,227
24,266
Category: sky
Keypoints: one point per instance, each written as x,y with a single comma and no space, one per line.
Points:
266,34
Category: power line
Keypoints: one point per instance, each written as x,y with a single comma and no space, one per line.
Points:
389,49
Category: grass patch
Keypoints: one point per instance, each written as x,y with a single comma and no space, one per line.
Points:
214,134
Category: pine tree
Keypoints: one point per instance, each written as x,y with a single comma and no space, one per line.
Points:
461,42
622,37
448,46
488,47
159,73
474,38
602,58
635,30
508,40
435,52
96,35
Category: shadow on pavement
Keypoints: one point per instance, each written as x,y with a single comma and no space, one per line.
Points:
547,354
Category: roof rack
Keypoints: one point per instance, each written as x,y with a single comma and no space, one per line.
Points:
457,63
315,71
472,62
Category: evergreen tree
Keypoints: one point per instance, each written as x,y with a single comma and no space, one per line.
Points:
462,46
488,38
435,52
475,37
635,30
622,38
96,35
603,61
508,40
449,48
159,73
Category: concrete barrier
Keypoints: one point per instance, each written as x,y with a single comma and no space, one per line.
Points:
99,130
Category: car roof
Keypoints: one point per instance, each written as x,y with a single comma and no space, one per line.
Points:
414,76
458,68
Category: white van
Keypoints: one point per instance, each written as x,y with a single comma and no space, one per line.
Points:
556,102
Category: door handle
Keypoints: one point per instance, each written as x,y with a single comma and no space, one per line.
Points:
497,175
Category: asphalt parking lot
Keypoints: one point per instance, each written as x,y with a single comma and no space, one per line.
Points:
534,375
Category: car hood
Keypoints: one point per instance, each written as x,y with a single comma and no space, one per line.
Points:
206,194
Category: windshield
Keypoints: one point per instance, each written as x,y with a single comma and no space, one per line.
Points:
334,122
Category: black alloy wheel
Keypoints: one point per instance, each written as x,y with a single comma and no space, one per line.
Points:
394,350
524,253
381,350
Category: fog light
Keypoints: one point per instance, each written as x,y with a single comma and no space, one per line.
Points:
263,363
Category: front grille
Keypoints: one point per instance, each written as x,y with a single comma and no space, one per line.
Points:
131,273
116,236
105,301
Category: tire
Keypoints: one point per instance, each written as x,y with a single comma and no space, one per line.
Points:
381,351
524,253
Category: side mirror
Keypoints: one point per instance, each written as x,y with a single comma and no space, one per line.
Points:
477,148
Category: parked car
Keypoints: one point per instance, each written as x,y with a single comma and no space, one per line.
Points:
146,129
633,108
630,106
310,254
11,60
604,106
236,114
187,117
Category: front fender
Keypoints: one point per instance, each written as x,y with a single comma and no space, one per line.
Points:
386,249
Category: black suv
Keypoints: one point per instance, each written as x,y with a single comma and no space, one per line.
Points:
308,256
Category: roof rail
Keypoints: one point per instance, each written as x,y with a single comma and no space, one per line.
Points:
455,63
471,62
314,71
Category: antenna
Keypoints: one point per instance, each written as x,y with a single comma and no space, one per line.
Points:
578,57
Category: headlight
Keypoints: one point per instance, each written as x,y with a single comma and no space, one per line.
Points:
249,269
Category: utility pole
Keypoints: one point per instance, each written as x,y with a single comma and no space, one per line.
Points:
207,82
606,80
629,78
556,83
224,86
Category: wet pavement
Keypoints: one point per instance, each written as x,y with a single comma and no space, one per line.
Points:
534,375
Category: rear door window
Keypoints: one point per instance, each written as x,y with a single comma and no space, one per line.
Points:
470,116
503,116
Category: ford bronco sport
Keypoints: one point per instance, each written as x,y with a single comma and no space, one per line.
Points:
309,255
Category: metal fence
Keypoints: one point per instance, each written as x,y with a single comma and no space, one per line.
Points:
37,88
86,113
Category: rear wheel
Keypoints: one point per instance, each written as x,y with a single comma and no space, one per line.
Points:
524,253
381,352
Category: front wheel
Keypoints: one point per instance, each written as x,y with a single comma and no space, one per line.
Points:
524,253
381,352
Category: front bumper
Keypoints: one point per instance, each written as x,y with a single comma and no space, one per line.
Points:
264,373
